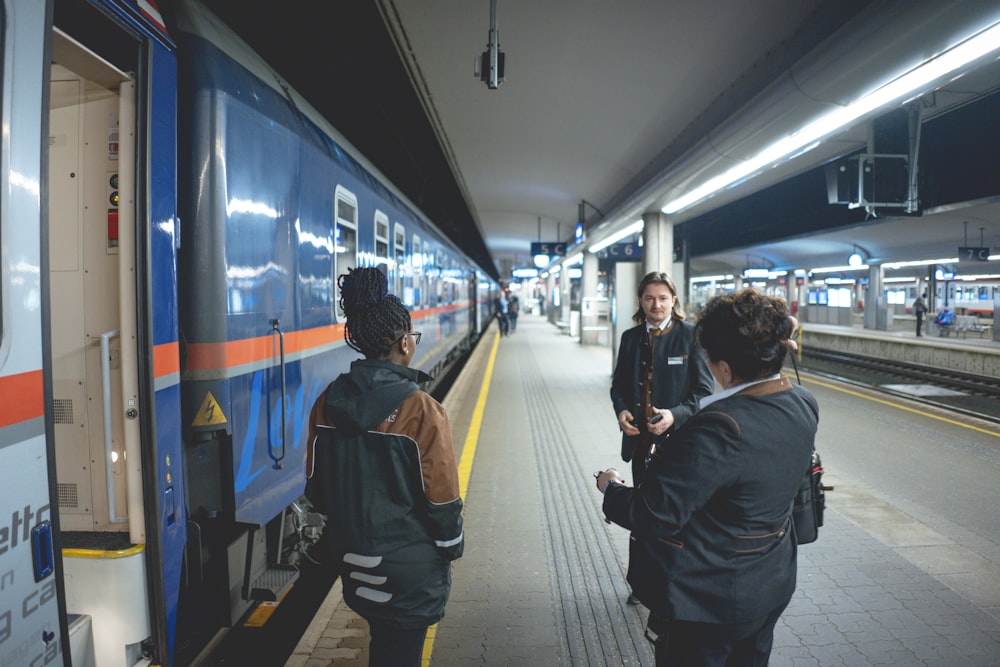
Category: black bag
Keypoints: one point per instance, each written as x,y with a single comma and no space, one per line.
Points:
810,501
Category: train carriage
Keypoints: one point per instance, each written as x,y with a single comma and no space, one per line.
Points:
173,219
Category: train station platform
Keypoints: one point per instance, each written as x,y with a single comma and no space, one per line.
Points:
974,352
906,570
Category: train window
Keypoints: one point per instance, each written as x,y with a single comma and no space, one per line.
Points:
382,242
399,266
428,273
417,260
345,235
440,265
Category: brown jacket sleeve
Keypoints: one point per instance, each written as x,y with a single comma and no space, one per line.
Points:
425,420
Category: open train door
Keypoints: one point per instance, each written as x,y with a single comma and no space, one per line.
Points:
33,627
111,195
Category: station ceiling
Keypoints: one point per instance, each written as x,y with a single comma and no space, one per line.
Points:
617,108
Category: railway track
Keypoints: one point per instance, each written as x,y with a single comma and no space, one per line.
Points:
969,393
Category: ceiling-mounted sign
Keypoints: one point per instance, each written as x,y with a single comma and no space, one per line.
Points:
624,252
552,249
971,254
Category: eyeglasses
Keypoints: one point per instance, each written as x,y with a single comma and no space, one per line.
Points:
416,337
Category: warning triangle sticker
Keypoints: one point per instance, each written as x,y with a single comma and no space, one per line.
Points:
209,414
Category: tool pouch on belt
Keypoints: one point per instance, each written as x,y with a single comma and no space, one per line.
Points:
810,501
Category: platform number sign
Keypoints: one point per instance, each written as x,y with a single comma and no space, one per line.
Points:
552,249
624,252
970,254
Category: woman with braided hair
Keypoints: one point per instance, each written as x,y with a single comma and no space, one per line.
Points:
381,467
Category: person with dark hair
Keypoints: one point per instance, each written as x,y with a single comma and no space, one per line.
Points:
919,309
513,310
713,547
502,305
660,374
381,467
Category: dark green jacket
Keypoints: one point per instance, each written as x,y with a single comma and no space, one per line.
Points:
383,471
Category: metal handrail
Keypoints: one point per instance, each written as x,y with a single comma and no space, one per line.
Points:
108,441
275,328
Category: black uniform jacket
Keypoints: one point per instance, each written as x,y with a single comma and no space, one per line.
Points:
712,538
681,377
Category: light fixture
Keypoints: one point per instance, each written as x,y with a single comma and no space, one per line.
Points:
541,261
855,259
893,91
920,262
634,228
836,269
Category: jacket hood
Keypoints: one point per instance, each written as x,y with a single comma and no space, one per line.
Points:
361,399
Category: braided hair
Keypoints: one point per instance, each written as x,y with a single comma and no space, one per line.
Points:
375,318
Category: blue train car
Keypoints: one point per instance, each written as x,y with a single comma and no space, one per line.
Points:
276,205
174,222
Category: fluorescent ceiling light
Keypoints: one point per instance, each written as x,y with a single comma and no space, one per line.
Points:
710,279
838,269
982,276
920,262
634,228
893,91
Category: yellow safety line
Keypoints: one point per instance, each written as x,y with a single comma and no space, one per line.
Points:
923,413
465,467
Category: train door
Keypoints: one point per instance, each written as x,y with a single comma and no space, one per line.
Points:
33,626
111,246
95,381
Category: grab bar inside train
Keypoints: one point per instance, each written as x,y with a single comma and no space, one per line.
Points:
108,440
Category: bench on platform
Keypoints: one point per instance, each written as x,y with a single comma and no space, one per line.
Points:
963,324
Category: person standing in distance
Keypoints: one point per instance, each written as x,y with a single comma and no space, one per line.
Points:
381,467
919,308
660,375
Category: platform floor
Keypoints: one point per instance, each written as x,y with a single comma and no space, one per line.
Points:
906,571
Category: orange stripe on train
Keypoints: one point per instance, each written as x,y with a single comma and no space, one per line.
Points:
23,398
211,356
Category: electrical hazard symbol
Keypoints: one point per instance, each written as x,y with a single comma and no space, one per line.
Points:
209,414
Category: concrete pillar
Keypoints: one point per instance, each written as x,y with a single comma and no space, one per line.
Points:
551,312
657,244
627,278
932,303
564,295
876,308
658,253
589,333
